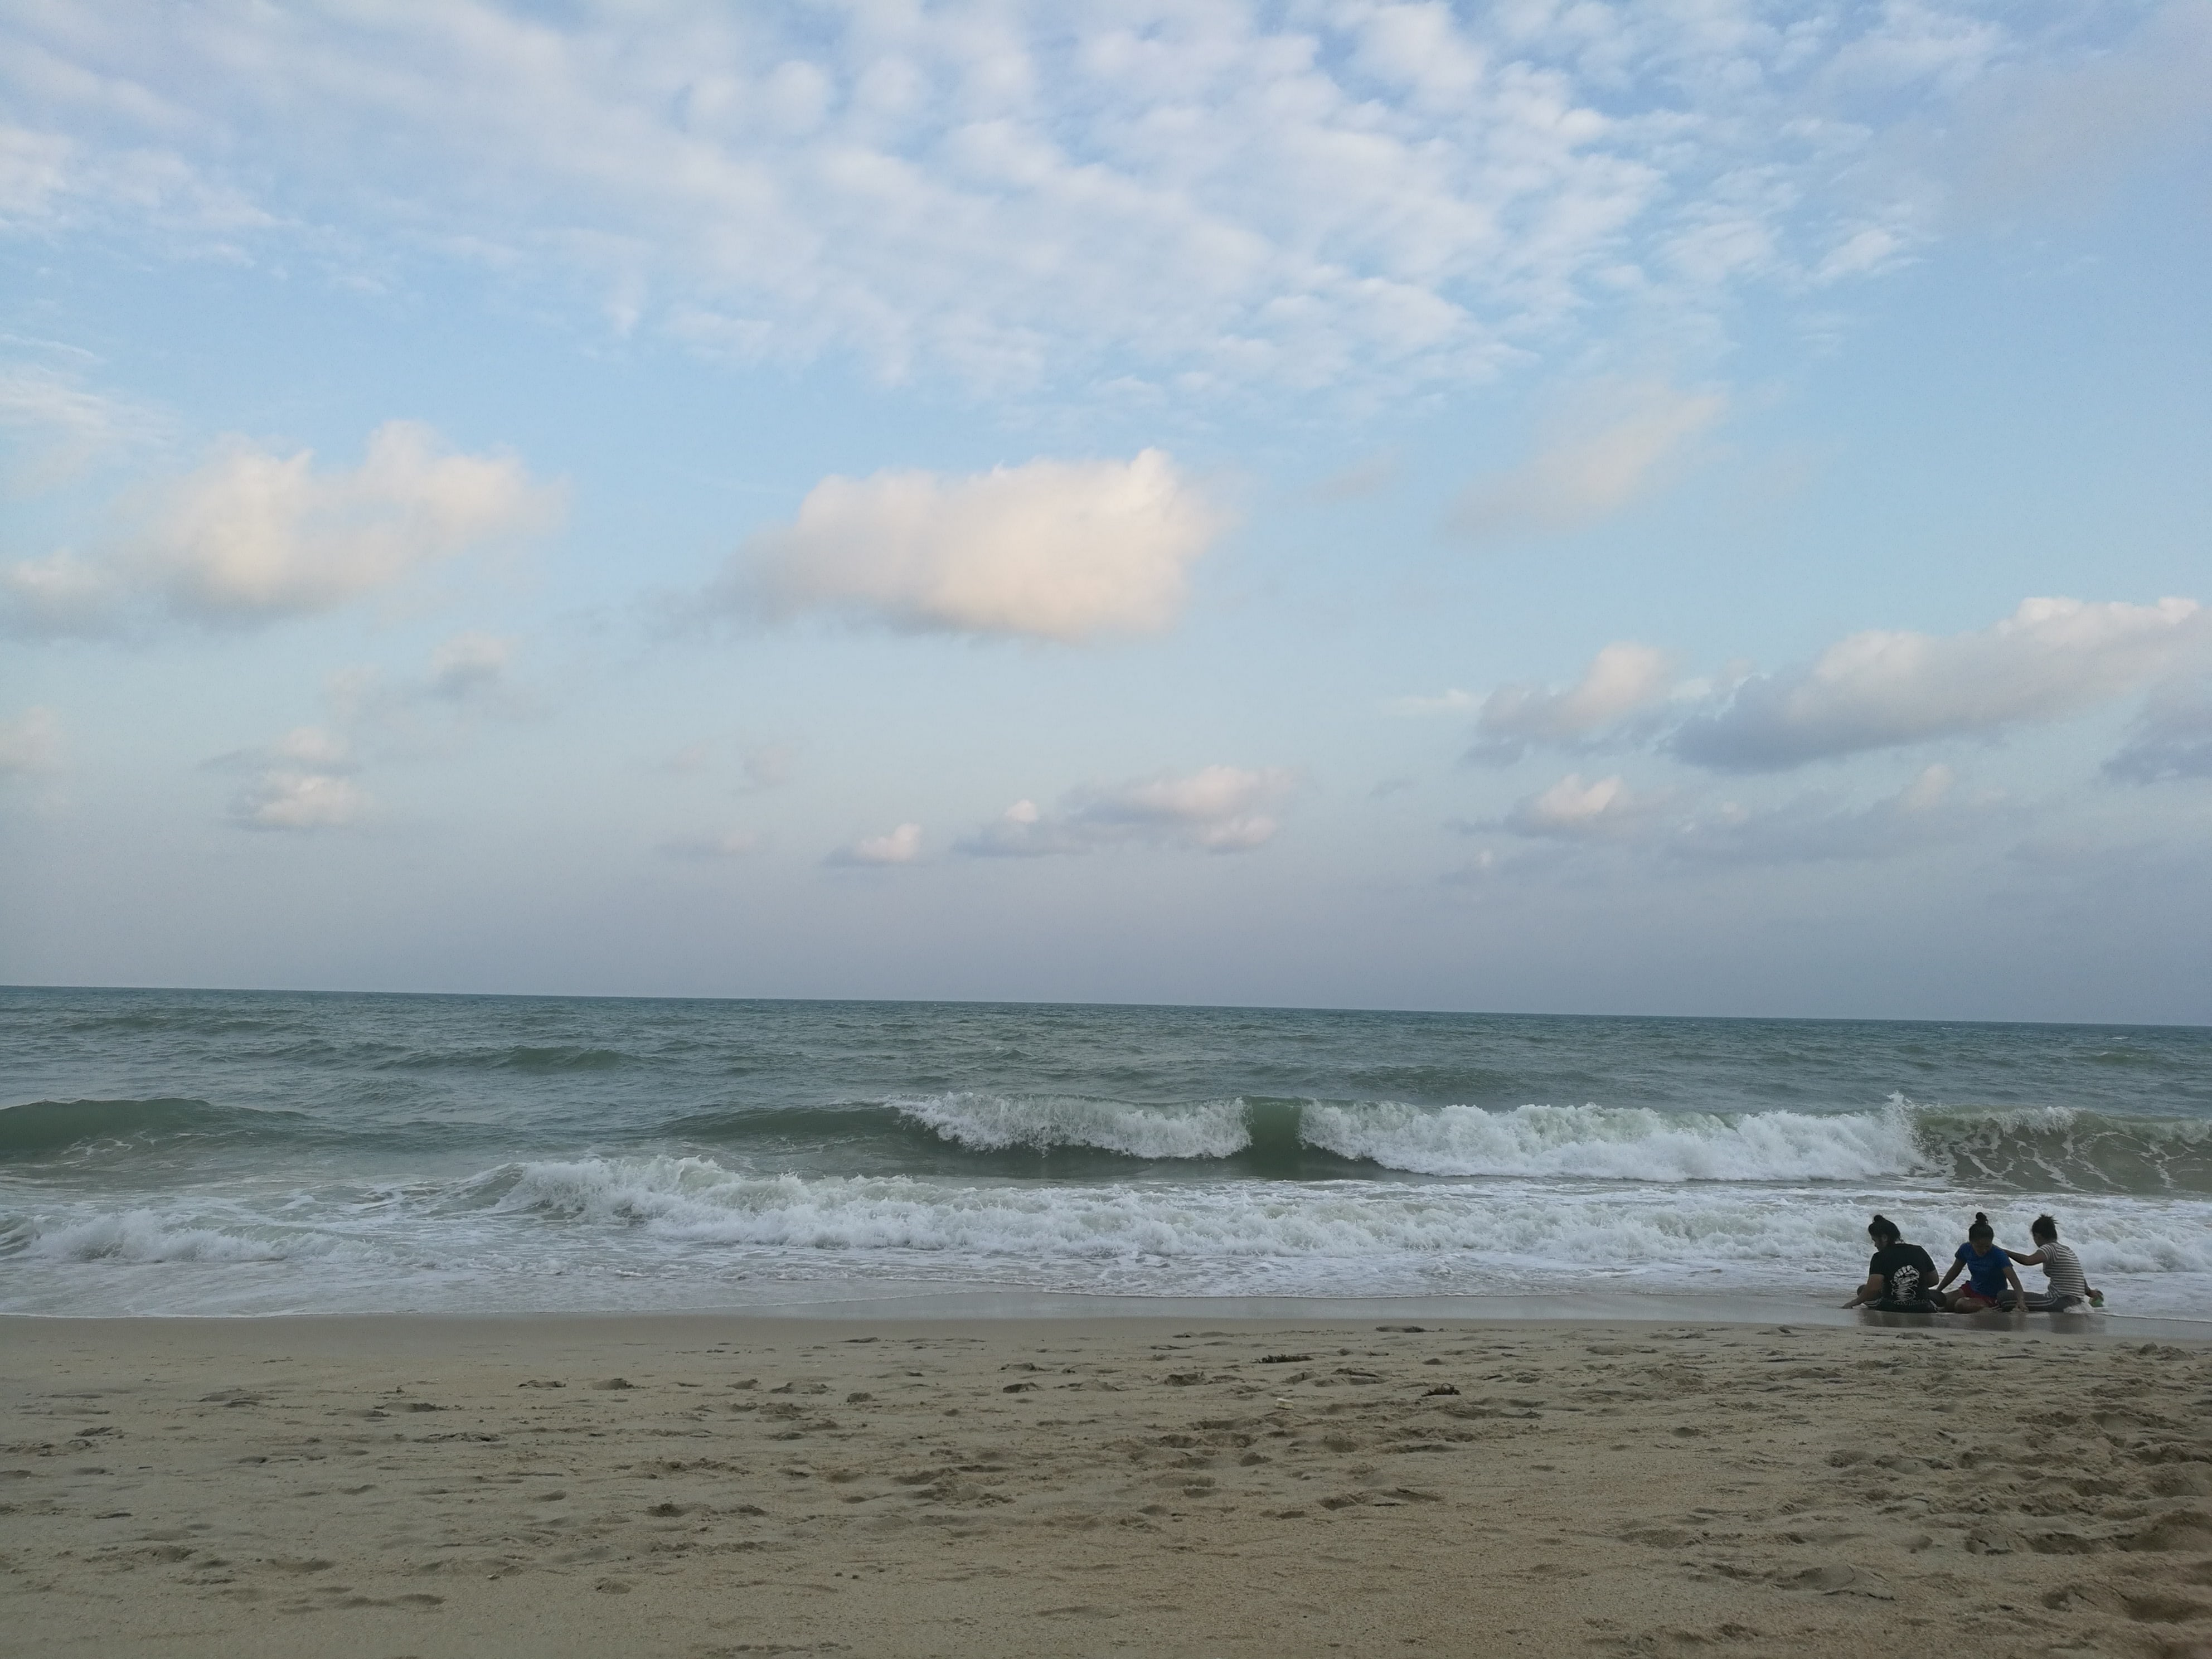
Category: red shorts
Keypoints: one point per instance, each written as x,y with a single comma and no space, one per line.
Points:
1976,1301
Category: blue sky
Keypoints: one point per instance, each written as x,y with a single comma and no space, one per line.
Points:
1689,507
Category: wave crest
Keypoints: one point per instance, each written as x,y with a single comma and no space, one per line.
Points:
998,1122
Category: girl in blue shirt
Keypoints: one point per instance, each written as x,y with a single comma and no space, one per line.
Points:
1988,1271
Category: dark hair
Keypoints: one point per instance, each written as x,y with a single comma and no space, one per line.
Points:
1882,1230
1981,1229
2044,1229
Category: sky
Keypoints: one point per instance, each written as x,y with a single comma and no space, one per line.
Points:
1693,507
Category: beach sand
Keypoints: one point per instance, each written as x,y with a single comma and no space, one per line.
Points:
704,1486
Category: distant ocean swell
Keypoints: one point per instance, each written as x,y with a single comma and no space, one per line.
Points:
2058,1150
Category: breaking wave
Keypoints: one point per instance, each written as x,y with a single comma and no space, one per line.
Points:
2034,1149
698,1201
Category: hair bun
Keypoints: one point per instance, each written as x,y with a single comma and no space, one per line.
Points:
1980,1220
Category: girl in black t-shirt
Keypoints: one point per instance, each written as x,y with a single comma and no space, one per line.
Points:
1900,1276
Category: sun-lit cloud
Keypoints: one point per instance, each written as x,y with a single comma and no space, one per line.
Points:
1881,690
1063,550
253,537
1601,809
1622,679
900,846
1618,443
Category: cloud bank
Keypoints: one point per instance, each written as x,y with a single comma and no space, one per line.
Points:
1880,689
1062,550
1218,194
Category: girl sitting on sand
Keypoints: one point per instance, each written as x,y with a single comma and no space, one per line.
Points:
2067,1286
1989,1270
1899,1276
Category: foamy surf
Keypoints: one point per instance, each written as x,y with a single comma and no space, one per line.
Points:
198,1152
671,1230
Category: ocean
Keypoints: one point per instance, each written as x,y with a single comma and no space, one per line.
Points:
248,1152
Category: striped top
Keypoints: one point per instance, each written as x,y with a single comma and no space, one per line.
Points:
2063,1269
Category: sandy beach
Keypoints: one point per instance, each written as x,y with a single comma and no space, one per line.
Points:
698,1486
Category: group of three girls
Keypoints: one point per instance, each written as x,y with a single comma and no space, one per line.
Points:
1901,1278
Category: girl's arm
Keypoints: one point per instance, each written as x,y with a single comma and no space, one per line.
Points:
1870,1291
1944,1282
2033,1259
2019,1289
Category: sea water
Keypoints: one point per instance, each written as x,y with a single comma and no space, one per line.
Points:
198,1153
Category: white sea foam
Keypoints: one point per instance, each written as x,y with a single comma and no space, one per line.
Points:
681,1231
996,1122
1620,1144
1531,1223
145,1235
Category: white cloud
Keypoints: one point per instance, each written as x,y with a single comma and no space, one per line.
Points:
1055,549
1622,678
253,537
1605,809
1216,808
1244,193
31,743
901,845
2172,739
2050,659
1622,442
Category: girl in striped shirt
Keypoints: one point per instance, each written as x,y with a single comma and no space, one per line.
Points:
2068,1287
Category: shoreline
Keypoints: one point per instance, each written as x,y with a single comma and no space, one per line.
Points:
923,1303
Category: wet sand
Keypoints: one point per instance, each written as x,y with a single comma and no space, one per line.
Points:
708,1486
